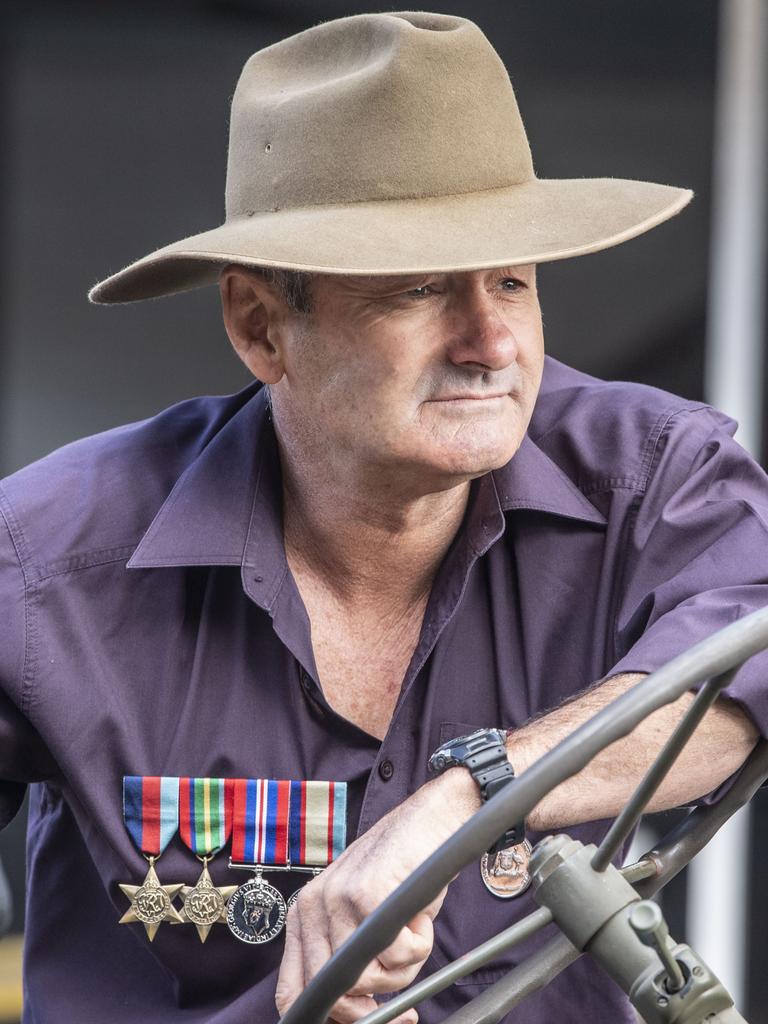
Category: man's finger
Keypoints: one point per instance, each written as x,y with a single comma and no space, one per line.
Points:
412,945
351,1009
379,981
306,950
290,980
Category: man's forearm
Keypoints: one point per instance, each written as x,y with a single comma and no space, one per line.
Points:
718,747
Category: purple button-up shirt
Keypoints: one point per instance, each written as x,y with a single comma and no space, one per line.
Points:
151,626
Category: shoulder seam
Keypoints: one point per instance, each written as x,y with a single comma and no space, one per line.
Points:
650,448
18,540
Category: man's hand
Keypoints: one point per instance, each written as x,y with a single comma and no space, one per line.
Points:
332,905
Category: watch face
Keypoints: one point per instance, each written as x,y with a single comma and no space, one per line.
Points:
457,750
479,735
460,739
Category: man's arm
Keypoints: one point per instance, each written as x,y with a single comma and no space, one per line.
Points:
719,747
333,904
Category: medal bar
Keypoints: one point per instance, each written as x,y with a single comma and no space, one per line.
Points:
274,825
273,867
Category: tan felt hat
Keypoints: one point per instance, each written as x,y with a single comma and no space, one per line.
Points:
389,144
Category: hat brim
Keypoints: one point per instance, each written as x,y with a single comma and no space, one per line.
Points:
534,222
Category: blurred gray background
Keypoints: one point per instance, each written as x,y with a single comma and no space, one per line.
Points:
113,137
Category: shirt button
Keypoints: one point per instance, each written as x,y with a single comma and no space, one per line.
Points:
386,770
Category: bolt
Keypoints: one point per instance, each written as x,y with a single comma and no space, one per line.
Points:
662,1001
549,854
698,971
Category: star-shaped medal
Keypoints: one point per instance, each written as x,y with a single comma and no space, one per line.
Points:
151,902
204,903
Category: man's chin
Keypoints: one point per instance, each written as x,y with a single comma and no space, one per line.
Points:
461,466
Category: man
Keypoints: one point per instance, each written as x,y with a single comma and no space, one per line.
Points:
330,577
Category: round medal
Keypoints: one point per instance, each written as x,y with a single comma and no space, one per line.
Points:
505,874
256,912
292,899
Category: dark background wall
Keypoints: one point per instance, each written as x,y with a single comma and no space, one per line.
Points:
114,142
113,135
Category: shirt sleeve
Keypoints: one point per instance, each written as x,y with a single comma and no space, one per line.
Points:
24,757
696,552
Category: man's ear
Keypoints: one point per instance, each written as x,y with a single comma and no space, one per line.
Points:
252,308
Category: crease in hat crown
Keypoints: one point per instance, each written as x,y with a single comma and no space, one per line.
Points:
371,108
389,143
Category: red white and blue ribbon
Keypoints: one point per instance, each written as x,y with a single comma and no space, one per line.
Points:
151,811
317,823
260,821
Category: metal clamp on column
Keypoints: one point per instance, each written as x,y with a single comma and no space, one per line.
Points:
599,911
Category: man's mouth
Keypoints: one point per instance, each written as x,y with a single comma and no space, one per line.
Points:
471,397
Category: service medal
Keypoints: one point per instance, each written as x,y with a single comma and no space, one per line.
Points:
205,822
151,816
151,902
256,913
204,903
506,874
291,901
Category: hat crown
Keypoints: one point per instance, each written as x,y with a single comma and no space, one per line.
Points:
373,107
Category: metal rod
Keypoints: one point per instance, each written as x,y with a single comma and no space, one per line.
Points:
262,868
640,870
492,1005
718,653
648,924
460,968
734,382
669,753
736,307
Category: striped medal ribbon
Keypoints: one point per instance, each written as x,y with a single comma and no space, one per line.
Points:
205,824
260,807
317,826
151,816
317,822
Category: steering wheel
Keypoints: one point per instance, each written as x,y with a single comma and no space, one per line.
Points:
599,908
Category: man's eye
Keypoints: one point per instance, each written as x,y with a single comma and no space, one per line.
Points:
511,284
419,293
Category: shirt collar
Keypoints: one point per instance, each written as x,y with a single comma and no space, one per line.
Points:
205,518
531,480
226,508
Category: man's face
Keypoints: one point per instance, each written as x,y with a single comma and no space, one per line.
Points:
430,379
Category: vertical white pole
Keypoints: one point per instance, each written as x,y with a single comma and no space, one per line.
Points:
718,878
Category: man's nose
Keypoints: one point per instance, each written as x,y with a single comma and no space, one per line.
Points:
480,335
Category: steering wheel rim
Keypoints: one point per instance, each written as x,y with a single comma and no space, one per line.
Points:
714,656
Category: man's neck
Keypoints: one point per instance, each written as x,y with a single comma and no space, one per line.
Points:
370,545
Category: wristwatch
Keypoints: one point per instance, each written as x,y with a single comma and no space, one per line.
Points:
484,754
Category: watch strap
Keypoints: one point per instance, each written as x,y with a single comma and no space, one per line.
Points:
484,754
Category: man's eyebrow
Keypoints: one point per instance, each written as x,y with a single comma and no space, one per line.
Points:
384,282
